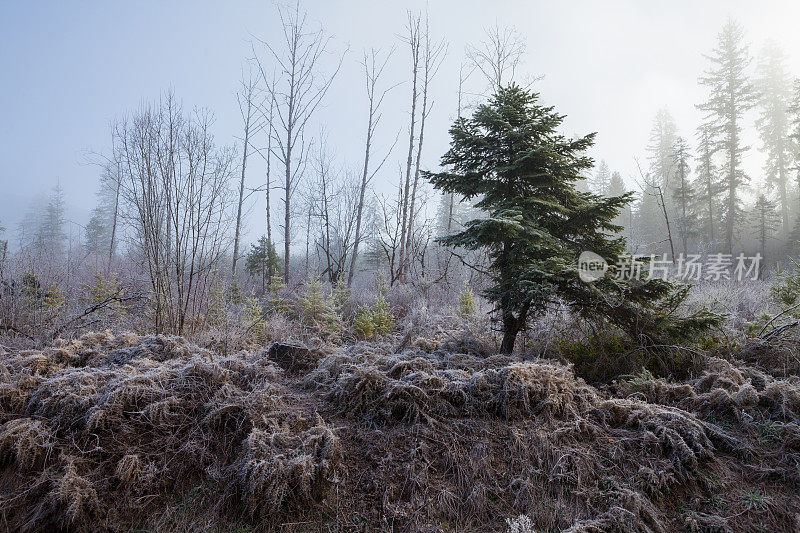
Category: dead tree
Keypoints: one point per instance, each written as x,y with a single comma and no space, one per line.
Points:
111,178
373,68
247,107
498,56
297,95
389,232
658,192
267,117
333,201
432,60
175,190
415,45
426,56
268,180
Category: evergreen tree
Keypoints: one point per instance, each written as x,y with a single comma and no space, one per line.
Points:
707,186
511,157
730,96
51,234
100,230
765,222
451,214
794,114
794,127
774,87
263,260
682,194
661,149
617,187
98,235
601,183
650,227
651,223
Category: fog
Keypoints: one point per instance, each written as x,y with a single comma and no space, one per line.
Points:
70,69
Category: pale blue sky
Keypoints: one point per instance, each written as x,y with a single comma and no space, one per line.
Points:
68,68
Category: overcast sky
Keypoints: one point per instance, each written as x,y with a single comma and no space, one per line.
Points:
69,68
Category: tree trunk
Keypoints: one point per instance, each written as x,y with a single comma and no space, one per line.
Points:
237,233
413,199
286,217
415,51
732,148
362,190
782,195
114,221
269,183
511,327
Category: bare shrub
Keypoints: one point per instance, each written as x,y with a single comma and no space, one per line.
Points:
26,442
133,418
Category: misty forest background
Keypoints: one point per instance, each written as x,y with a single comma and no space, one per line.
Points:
355,241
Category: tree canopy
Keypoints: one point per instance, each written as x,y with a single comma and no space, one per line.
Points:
510,157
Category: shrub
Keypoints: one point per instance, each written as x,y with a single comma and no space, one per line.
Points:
275,300
165,422
786,288
341,297
520,524
256,323
107,290
376,321
608,355
466,302
53,297
317,308
234,319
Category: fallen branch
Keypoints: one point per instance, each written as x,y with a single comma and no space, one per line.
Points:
777,331
114,298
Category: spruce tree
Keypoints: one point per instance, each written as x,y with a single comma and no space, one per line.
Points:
794,112
765,222
51,230
617,187
651,222
707,185
511,157
661,149
730,96
682,194
263,260
602,179
774,97
98,234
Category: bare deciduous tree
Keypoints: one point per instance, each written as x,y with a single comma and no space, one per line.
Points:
297,96
498,56
426,56
373,68
175,188
415,44
247,107
268,184
432,60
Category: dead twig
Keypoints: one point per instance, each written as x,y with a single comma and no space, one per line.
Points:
777,317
